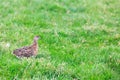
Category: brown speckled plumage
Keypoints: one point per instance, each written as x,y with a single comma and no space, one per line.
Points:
28,50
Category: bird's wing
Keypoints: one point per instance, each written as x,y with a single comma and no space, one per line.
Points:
27,52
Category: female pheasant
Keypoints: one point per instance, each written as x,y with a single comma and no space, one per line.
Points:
28,51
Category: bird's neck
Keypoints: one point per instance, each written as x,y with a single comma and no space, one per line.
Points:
35,42
35,45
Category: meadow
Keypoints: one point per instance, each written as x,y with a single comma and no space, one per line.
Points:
80,39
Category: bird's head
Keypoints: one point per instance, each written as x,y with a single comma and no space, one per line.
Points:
36,38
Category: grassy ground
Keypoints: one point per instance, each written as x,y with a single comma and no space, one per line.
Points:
80,40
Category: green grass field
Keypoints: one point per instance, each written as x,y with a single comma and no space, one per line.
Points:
80,39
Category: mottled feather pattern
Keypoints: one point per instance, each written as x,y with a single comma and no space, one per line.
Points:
28,50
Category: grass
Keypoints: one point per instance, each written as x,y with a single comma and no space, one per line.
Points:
80,40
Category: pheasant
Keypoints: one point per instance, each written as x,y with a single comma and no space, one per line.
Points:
28,51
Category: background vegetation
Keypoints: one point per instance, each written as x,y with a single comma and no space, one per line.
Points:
80,40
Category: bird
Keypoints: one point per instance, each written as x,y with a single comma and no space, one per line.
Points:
27,51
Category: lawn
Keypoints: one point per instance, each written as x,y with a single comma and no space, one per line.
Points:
80,39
